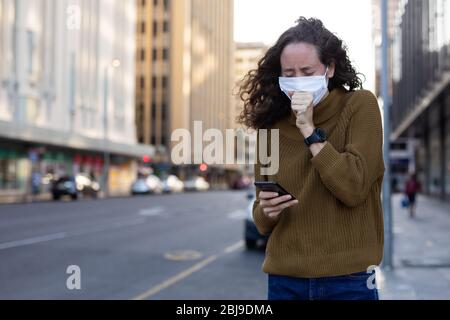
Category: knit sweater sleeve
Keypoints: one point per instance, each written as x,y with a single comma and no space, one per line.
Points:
349,175
263,223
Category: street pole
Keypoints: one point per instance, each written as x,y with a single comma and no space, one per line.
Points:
388,247
105,134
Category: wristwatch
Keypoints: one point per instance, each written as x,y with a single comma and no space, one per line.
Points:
318,135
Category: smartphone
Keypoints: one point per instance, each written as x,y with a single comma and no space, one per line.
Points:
273,186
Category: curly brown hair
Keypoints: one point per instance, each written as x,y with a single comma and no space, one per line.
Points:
264,102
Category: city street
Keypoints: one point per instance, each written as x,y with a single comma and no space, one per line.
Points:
180,246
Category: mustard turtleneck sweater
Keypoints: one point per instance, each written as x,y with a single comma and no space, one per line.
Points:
337,226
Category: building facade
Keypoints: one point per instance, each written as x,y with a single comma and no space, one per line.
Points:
67,91
184,68
421,89
247,56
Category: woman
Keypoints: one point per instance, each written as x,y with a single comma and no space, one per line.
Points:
412,187
325,244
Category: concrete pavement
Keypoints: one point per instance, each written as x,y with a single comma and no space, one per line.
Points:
421,252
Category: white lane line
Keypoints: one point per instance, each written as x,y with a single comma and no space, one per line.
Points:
180,276
153,211
63,235
234,247
237,214
186,273
28,241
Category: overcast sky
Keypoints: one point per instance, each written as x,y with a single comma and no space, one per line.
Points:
351,20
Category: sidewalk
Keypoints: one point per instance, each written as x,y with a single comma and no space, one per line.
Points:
421,252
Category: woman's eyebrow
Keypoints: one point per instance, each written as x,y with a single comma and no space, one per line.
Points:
293,69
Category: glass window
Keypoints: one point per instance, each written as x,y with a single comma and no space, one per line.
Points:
165,54
166,4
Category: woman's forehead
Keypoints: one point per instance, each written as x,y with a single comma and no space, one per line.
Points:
300,55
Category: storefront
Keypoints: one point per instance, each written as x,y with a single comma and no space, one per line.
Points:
27,170
15,169
122,173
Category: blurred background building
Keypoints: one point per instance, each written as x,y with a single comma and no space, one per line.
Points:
184,73
247,56
420,90
67,94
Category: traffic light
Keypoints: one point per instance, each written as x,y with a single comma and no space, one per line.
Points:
146,159
203,167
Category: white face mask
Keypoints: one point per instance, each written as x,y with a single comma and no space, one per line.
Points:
317,85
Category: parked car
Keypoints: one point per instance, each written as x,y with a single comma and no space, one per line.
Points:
80,185
196,184
155,184
147,185
86,185
251,234
172,184
64,186
140,186
242,182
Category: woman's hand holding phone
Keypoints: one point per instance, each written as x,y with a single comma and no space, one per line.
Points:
272,204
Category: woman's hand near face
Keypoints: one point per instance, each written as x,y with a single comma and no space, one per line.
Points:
273,205
302,106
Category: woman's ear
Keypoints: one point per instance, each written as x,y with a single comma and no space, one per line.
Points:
331,69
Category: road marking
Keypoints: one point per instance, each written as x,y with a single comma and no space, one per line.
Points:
171,281
63,235
153,211
186,273
234,247
182,255
26,242
237,214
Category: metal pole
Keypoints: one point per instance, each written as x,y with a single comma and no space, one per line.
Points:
105,134
388,247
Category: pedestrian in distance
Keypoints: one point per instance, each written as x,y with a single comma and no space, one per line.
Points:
412,187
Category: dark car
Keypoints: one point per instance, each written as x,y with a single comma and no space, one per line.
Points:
251,233
81,184
64,186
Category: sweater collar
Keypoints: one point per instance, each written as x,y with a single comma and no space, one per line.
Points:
322,112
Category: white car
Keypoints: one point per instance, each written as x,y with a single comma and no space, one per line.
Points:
173,184
154,183
140,187
196,184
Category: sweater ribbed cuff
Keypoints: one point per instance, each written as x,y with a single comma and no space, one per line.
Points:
263,223
326,159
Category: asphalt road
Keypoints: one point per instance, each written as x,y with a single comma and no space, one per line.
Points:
180,246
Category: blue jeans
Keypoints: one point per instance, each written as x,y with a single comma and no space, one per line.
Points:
355,286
